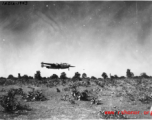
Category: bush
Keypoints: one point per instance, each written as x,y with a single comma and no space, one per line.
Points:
63,75
25,77
38,75
84,75
54,76
35,96
10,77
76,76
93,78
104,75
11,103
145,99
129,74
144,75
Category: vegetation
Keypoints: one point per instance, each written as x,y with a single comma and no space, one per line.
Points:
38,75
54,76
34,96
133,90
11,102
144,75
129,74
10,77
63,75
76,76
104,75
94,78
84,75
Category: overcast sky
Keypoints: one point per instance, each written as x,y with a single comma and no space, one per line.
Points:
95,37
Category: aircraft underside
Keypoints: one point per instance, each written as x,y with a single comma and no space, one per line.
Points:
55,67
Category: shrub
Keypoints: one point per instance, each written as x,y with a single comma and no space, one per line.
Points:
144,75
104,75
10,77
129,74
63,75
84,75
38,75
93,78
11,103
25,77
145,99
76,76
54,76
34,96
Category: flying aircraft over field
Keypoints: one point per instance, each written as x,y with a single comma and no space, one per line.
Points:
56,65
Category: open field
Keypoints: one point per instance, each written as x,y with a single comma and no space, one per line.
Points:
122,94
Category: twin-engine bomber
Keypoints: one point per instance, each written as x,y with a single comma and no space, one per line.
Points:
56,65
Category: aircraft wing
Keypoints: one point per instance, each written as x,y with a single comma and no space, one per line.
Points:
47,63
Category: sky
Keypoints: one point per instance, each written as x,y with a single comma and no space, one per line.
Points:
96,37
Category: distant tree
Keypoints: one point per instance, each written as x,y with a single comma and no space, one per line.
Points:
116,76
122,77
100,79
77,75
94,78
144,75
38,75
104,75
63,75
30,77
10,77
2,78
84,75
54,76
129,74
25,76
112,77
136,76
19,76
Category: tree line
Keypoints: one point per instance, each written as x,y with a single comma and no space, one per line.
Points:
77,75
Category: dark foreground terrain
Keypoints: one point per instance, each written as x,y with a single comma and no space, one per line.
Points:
77,99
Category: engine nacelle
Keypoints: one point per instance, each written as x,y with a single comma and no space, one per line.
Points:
47,67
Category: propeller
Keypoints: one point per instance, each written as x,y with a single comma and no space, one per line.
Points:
42,64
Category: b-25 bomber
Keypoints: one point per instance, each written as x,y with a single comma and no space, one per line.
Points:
56,65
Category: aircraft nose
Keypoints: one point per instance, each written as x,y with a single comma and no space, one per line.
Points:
72,66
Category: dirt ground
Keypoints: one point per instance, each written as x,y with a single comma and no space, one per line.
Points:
54,108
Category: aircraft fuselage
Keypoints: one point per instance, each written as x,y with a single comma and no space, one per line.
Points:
56,66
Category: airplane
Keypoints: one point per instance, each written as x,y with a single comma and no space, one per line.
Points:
56,65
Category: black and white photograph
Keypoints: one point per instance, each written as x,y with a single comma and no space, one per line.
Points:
75,60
